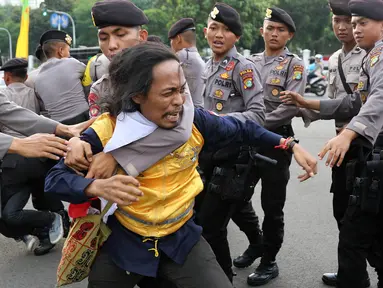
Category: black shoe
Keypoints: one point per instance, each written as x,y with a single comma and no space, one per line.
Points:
263,274
44,247
66,222
248,257
330,280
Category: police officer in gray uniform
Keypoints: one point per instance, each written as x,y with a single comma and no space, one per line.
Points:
343,78
58,83
280,70
21,176
182,37
361,229
233,87
15,73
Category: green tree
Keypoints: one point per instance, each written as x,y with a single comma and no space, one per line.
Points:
313,23
10,20
85,30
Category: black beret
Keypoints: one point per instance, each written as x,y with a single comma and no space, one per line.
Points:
39,52
181,26
117,13
339,7
15,63
371,9
55,36
227,15
279,15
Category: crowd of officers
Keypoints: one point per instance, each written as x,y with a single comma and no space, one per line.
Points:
265,88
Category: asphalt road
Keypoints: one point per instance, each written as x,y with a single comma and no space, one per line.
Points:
308,251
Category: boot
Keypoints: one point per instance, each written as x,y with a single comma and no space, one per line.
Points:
330,280
265,272
249,256
44,247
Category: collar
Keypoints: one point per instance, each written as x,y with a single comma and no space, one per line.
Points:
227,59
16,85
279,58
356,50
137,125
191,49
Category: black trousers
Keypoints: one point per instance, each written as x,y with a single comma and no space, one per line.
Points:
274,181
20,178
360,238
200,270
213,213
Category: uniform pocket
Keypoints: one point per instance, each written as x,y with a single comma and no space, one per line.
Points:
274,86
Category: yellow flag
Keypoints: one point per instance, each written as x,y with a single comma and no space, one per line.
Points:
23,40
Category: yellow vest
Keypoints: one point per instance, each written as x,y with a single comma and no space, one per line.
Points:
169,186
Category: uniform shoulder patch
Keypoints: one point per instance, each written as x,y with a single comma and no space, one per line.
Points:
298,72
247,76
375,56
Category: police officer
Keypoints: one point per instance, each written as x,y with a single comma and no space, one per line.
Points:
182,38
23,176
232,87
361,228
15,74
58,83
344,68
110,17
281,70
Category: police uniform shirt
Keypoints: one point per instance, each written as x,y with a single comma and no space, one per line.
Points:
233,87
21,120
367,101
59,87
280,73
30,82
99,89
351,64
23,96
193,67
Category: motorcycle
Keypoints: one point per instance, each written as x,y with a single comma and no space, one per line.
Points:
317,85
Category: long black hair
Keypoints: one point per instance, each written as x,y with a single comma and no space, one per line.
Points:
131,74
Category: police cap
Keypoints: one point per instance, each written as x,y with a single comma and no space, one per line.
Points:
227,15
339,7
181,26
117,13
55,36
281,16
15,63
371,9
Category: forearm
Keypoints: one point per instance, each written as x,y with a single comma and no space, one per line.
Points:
312,104
67,185
344,108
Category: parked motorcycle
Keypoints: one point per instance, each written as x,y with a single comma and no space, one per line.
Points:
317,85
